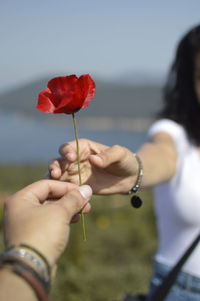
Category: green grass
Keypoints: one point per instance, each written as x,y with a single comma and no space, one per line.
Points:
16,177
117,256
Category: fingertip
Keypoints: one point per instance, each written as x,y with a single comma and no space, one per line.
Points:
75,218
64,149
55,173
86,208
97,160
70,156
67,151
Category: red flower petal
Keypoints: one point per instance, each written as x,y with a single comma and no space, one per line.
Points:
88,88
66,94
44,102
61,87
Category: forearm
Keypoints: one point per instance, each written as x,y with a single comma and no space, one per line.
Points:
159,163
14,288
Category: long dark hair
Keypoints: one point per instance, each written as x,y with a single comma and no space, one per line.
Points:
180,100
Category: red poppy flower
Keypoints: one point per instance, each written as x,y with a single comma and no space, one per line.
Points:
67,94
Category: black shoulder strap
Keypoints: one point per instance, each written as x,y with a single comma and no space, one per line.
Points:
167,283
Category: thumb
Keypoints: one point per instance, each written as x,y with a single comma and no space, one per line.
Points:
109,156
76,199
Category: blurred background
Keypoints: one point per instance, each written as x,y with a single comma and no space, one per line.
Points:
127,47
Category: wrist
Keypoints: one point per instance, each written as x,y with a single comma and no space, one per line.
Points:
136,201
138,176
31,256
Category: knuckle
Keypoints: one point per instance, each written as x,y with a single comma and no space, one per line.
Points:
83,140
52,162
62,148
117,148
74,201
120,149
79,201
42,182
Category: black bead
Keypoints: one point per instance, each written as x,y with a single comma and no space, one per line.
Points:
136,201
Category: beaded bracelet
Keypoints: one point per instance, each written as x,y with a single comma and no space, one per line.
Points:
136,201
39,254
28,258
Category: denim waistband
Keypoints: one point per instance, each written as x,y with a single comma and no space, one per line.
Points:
184,280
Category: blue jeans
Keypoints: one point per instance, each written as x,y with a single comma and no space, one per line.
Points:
186,287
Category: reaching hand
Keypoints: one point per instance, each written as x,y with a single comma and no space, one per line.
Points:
40,214
106,169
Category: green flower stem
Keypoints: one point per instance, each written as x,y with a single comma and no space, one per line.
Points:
79,171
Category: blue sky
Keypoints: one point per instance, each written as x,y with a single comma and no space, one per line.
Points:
104,38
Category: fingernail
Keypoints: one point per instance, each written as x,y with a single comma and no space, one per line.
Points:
85,191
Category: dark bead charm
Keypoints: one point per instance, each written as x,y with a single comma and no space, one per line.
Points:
136,201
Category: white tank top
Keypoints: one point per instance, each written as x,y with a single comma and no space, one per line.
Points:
177,202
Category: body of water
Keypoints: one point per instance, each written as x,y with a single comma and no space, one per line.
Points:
26,140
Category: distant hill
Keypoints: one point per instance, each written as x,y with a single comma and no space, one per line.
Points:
140,78
112,100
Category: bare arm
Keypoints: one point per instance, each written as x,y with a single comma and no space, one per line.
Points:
114,169
39,216
14,287
159,159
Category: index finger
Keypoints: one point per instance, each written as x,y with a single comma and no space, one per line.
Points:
86,148
40,191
